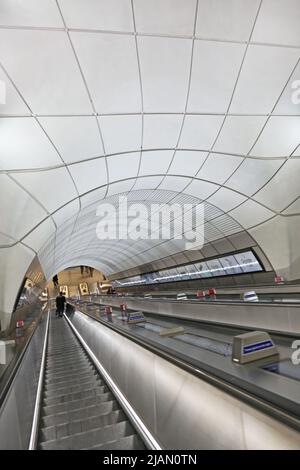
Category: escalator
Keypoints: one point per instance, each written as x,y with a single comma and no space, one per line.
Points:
78,409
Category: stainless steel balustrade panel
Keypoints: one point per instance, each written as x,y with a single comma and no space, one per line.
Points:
16,413
280,318
181,410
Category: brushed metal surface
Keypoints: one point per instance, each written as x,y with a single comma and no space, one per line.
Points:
181,410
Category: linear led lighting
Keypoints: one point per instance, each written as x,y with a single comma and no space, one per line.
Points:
206,271
243,267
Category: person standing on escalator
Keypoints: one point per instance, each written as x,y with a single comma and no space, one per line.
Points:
55,281
60,304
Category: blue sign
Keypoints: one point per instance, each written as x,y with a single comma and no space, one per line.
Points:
257,347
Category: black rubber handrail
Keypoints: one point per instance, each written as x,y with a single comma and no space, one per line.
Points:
233,389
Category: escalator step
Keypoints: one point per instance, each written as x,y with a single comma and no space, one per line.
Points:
79,414
90,438
77,426
78,409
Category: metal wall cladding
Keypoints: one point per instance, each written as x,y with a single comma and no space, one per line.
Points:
16,413
180,410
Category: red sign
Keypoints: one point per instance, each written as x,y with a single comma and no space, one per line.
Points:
20,324
279,280
200,294
212,292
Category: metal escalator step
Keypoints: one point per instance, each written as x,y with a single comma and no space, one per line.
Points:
80,413
75,356
71,348
68,378
78,410
73,382
78,426
126,443
73,405
90,438
67,372
67,398
58,351
77,364
69,389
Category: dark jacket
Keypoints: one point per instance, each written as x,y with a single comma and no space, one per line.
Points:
60,302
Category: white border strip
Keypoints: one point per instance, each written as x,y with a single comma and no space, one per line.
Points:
142,429
38,398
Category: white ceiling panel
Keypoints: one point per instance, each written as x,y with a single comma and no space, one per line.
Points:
43,66
20,213
160,59
265,73
93,197
187,162
155,163
40,185
293,208
283,188
89,175
218,168
10,101
215,71
120,187
148,182
40,235
110,66
16,261
66,212
76,138
174,183
297,151
201,189
200,132
252,175
161,130
279,138
123,166
250,213
174,17
289,102
278,23
230,20
239,134
30,13
5,240
121,133
107,15
226,199
23,144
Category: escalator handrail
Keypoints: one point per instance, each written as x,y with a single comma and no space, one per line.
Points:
5,386
246,396
38,399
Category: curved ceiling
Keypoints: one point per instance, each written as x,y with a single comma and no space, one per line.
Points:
107,97
76,241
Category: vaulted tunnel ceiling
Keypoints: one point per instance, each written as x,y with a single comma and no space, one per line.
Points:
106,97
